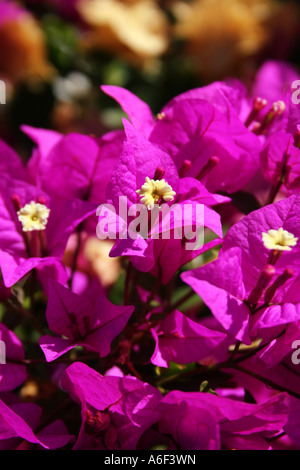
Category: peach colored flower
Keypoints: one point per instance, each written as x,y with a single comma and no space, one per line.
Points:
134,29
219,33
23,49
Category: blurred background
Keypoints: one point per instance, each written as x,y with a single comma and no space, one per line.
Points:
55,54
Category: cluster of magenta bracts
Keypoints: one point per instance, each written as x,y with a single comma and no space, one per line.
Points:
224,148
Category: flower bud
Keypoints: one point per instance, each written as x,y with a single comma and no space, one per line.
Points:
208,167
271,291
264,278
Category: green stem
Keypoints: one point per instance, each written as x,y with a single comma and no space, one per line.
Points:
127,283
275,438
235,350
61,360
182,300
27,314
232,362
262,379
151,297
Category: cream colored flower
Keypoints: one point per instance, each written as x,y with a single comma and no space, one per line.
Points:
154,191
33,216
97,254
219,33
23,50
279,239
133,29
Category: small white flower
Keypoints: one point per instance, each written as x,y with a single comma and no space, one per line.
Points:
279,239
33,216
154,191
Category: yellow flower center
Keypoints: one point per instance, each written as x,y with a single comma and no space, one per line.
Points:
33,216
279,239
160,116
155,191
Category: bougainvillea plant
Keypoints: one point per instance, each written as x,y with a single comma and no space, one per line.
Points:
194,343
